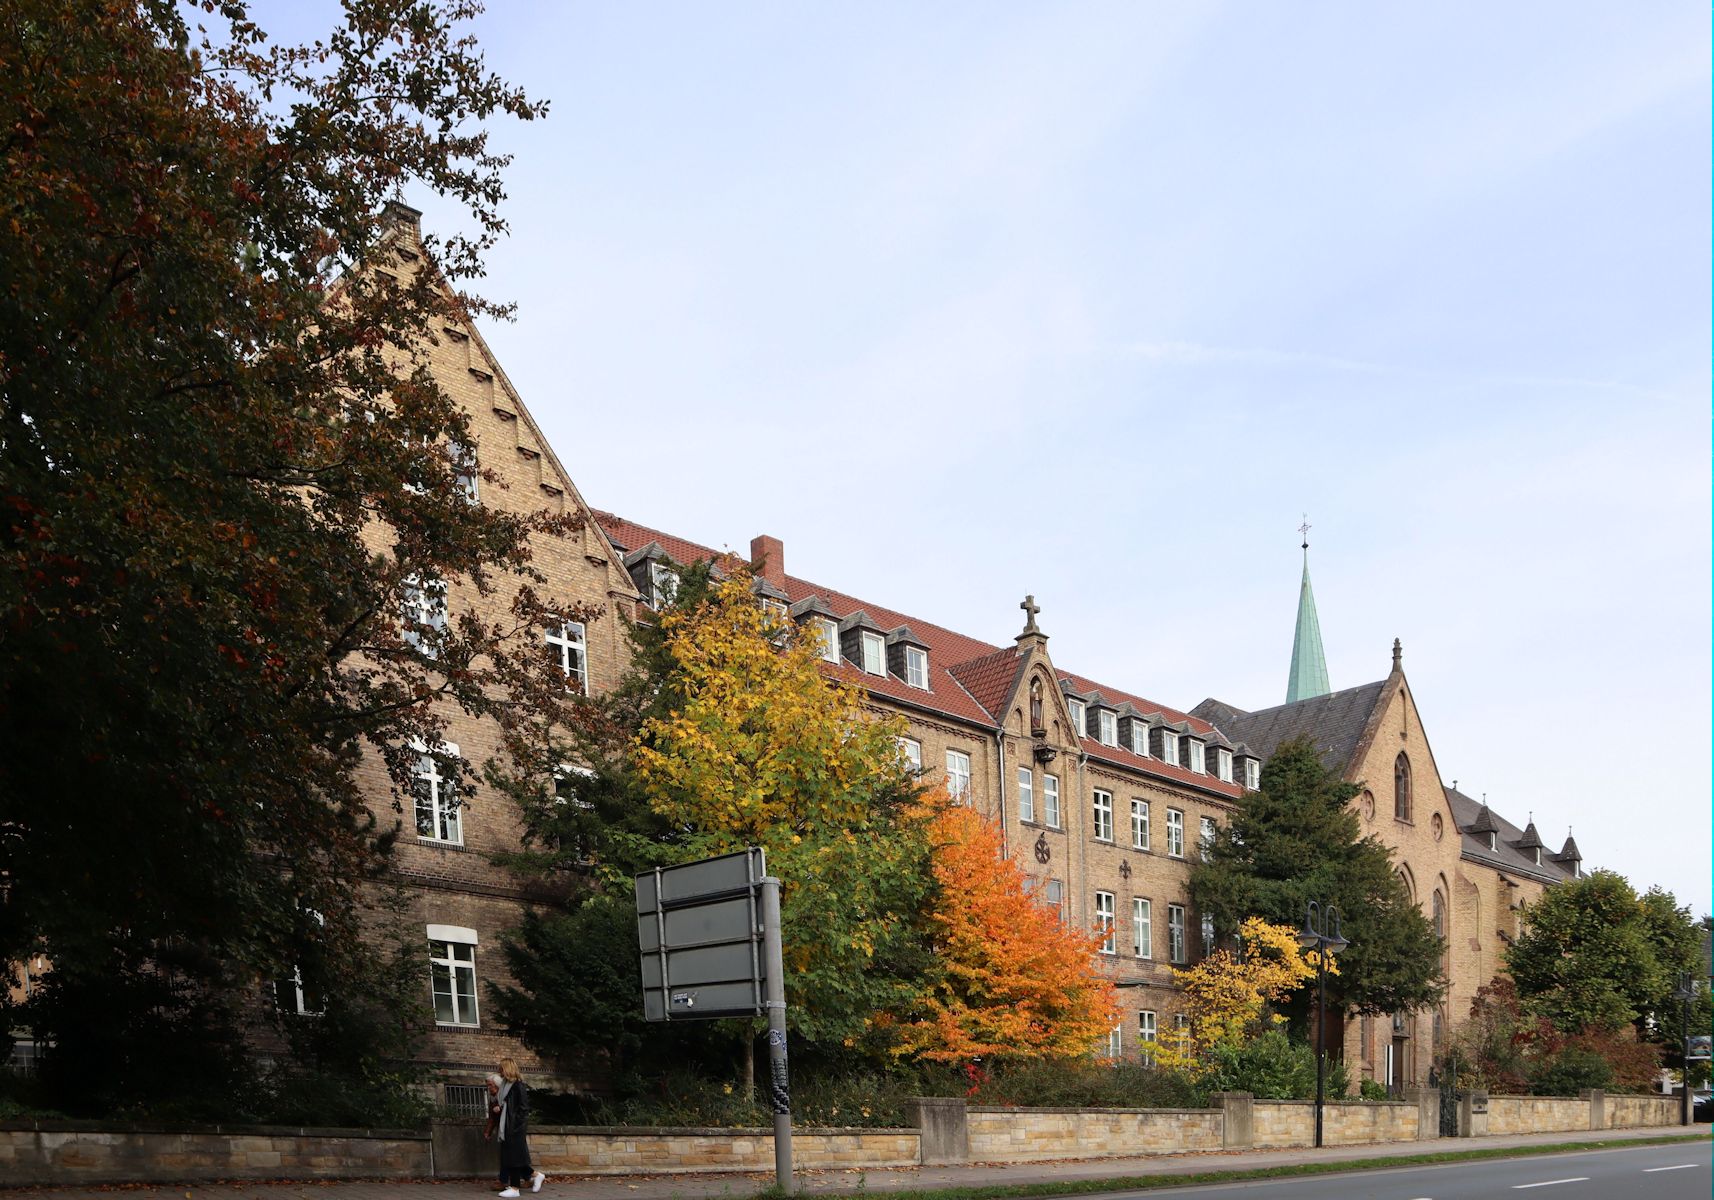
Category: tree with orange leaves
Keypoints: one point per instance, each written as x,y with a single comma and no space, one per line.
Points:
1015,981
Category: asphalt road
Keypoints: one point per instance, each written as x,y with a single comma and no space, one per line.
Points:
1642,1173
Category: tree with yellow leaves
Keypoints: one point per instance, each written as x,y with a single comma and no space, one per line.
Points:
1226,995
752,744
1015,981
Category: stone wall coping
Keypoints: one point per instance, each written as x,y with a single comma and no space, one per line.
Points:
1348,1102
1007,1108
711,1131
80,1125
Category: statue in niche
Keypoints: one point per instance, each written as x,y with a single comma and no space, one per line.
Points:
1038,721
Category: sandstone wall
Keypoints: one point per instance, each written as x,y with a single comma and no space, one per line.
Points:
1034,1134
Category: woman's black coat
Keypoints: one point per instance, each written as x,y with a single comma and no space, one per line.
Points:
515,1146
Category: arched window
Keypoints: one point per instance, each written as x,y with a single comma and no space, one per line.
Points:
1410,883
1401,787
1439,907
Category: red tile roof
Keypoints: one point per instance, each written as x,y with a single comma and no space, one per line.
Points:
969,679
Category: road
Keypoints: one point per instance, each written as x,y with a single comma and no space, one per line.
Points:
1640,1173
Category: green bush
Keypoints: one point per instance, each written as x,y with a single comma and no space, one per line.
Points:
1569,1072
1372,1089
1269,1066
1084,1083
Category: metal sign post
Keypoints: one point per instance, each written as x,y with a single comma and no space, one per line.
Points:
709,933
779,1076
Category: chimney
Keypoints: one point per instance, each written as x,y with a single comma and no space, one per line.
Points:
769,555
398,213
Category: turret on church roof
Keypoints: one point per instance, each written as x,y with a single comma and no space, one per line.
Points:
1308,664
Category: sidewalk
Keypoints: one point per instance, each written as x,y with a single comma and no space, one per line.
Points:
833,1182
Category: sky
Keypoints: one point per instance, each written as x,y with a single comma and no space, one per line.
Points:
1095,301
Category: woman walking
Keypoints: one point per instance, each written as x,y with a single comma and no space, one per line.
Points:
512,1129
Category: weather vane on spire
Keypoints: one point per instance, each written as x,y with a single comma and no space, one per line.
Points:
1304,529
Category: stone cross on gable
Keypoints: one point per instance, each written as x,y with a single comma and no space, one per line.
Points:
1031,608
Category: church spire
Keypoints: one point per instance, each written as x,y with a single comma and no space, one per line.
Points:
1308,664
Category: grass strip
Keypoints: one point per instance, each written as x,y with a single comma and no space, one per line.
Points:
1139,1183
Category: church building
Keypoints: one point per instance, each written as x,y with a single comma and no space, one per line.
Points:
1469,869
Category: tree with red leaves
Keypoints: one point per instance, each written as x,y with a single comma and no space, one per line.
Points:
224,467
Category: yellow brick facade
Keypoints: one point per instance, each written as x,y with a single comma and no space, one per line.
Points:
456,885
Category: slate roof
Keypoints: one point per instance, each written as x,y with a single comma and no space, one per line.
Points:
969,679
1335,722
1504,856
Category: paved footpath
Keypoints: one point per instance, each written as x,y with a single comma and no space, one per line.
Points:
835,1182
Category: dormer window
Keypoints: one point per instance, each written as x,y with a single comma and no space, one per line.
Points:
1493,840
1139,738
1538,856
1198,762
1107,725
1223,764
827,632
916,667
1078,716
874,653
1169,746
663,584
1252,774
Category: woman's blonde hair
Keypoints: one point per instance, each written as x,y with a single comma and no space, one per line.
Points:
509,1070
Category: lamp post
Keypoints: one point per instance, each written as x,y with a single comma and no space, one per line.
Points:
1321,934
1684,993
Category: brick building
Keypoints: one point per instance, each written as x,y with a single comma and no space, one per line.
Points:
1102,795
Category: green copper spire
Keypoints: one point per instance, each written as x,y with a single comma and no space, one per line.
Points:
1308,664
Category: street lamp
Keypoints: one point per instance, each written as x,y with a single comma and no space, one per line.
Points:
1684,993
1321,933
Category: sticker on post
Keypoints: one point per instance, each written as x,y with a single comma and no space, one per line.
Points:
684,999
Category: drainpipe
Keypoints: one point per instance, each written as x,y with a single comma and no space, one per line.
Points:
1000,790
1082,843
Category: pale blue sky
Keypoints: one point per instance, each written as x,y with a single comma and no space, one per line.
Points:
1093,300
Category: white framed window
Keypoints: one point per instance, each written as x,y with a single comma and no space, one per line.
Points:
1223,764
1108,724
1026,794
1169,747
1198,756
566,777
1050,800
1175,932
464,463
874,653
1139,824
424,610
1142,928
1078,716
1175,833
1206,845
916,667
1104,921
568,650
912,750
1139,738
1103,815
452,974
663,583
957,774
1115,1046
827,633
436,795
1147,1033
1252,774
1207,935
